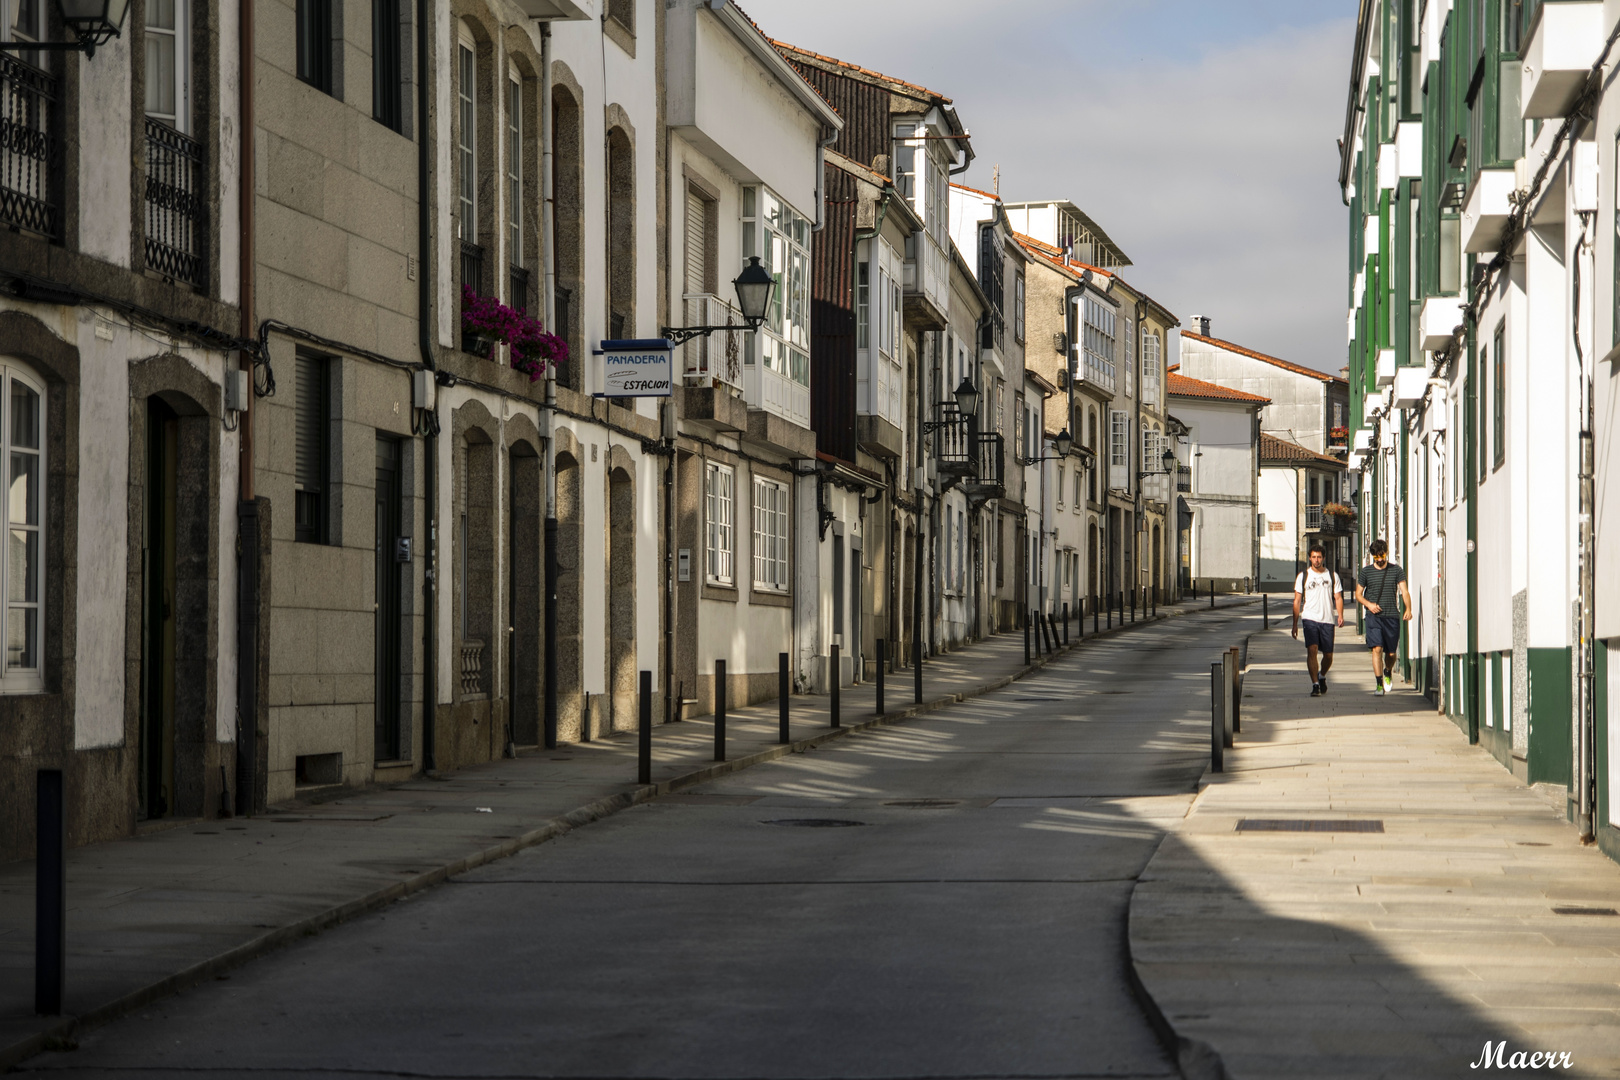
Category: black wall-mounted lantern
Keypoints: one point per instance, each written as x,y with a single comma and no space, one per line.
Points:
753,287
93,22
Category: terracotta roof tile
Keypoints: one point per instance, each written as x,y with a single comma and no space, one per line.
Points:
1182,386
1054,256
976,191
1275,449
1284,364
792,50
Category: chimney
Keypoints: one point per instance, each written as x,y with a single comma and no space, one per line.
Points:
1200,324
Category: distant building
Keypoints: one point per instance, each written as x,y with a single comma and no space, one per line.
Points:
1302,494
1221,449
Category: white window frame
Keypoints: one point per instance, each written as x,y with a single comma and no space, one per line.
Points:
1130,369
1152,362
179,38
720,523
467,137
21,680
1018,307
863,302
771,532
781,238
514,171
1119,448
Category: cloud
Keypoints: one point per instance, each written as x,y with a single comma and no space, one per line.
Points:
1204,146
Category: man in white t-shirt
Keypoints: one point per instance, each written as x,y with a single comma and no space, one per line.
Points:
1319,599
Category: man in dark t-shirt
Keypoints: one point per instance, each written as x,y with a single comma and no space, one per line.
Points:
1381,589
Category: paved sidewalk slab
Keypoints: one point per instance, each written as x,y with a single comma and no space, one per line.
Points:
1475,914
150,915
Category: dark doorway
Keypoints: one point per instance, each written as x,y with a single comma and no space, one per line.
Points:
387,556
156,797
524,594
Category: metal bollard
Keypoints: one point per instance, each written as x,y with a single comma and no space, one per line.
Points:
50,893
1057,638
1237,688
1026,637
1227,682
1133,605
719,710
1265,611
1217,725
1095,615
1065,624
644,732
783,687
1212,594
836,674
1110,611
585,720
1080,622
881,664
916,668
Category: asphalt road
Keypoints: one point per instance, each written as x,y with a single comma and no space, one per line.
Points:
944,899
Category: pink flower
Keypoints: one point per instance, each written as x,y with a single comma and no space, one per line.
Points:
533,350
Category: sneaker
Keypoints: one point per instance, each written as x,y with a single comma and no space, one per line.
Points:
1316,689
1389,685
1378,689
1322,682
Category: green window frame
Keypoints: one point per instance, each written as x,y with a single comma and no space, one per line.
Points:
1498,396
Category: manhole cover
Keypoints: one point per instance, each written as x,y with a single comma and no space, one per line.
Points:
815,822
1307,825
1585,911
924,804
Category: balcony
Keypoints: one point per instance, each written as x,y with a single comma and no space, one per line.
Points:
517,286
1441,315
1330,518
953,442
1184,478
1093,370
472,267
1564,44
1386,367
176,205
1411,384
29,152
769,389
716,359
928,281
1486,210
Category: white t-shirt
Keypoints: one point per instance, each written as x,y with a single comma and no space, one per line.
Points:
1318,588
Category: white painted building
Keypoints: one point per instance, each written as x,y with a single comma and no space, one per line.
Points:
1221,449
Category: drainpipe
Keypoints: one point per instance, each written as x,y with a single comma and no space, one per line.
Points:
821,181
1586,707
247,513
548,138
430,430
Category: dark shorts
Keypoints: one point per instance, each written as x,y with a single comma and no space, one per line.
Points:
1319,634
1384,632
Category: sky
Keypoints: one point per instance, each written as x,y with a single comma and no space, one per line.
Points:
1200,136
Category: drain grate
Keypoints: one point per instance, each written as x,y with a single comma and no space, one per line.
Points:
924,804
1307,825
815,822
1585,911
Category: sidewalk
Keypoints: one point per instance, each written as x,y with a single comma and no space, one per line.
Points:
150,915
1474,914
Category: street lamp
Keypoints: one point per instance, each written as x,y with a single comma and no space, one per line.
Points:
93,22
1063,443
753,287
967,397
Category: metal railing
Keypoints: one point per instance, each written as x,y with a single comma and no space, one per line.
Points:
1313,518
717,355
953,440
472,267
517,284
990,459
1183,478
472,667
29,151
176,205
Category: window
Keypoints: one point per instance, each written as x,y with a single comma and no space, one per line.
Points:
1130,378
311,432
780,237
467,143
1119,449
623,12
720,495
1079,491
1097,343
23,417
961,550
863,300
1018,307
1152,362
387,86
1058,487
314,32
514,171
770,536
1499,398
168,37
1091,442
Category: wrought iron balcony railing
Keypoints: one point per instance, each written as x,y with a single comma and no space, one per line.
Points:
29,151
176,205
472,267
517,285
1183,478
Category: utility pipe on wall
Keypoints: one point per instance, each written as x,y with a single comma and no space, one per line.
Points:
548,299
248,528
430,427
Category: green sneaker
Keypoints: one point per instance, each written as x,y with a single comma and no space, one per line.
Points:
1389,685
1378,689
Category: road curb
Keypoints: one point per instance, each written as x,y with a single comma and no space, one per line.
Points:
63,1034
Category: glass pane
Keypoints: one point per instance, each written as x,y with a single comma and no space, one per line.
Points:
26,24
160,75
24,564
22,638
24,509
160,14
24,416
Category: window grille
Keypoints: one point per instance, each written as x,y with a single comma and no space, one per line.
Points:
176,204
29,150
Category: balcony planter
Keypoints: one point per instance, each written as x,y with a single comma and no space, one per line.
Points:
485,320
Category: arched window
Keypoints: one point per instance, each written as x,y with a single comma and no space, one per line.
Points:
568,228
621,236
22,572
1091,442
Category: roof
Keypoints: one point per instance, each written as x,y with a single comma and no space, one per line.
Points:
1182,386
1085,222
868,72
1055,257
1284,364
1275,449
986,194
